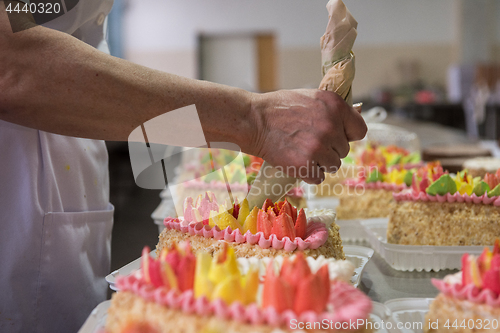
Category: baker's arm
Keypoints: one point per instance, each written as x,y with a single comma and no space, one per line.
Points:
53,82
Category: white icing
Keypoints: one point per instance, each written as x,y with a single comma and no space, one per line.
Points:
338,269
326,216
453,278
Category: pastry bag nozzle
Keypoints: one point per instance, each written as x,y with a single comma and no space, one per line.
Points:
273,183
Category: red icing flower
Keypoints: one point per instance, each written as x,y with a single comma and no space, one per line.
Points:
483,271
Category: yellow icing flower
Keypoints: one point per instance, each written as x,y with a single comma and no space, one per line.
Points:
220,278
395,177
465,183
223,219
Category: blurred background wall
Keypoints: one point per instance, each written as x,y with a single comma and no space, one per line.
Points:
398,40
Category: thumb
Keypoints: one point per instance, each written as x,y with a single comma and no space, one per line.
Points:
354,125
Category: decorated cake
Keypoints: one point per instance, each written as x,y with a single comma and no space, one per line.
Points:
469,301
363,157
217,170
446,209
383,170
275,229
183,292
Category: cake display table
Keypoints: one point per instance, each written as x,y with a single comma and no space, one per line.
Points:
383,283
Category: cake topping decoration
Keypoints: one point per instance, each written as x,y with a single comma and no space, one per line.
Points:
480,280
445,184
483,271
277,225
385,167
431,183
280,218
387,156
217,287
214,159
296,287
220,278
174,269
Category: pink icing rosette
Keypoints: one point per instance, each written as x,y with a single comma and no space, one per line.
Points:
468,292
411,195
316,235
378,185
348,304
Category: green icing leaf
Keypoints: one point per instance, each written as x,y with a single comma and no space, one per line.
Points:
251,178
238,177
494,192
408,178
445,184
246,160
348,160
374,176
216,175
396,159
412,158
480,188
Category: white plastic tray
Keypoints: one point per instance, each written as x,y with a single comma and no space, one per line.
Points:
97,319
408,314
414,257
380,316
357,255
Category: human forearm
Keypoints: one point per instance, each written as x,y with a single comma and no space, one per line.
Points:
53,82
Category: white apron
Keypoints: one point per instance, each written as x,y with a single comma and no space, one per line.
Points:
55,215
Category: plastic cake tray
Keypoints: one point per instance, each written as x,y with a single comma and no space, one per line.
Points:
414,257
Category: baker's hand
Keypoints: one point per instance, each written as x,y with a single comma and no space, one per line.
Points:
305,132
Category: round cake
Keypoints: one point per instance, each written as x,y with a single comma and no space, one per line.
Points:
446,210
181,292
469,301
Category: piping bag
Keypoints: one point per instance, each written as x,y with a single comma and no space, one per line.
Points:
338,73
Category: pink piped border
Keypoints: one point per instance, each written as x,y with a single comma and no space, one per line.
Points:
348,304
378,185
316,235
468,292
457,197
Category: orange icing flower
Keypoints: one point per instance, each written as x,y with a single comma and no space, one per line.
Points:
296,287
282,220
